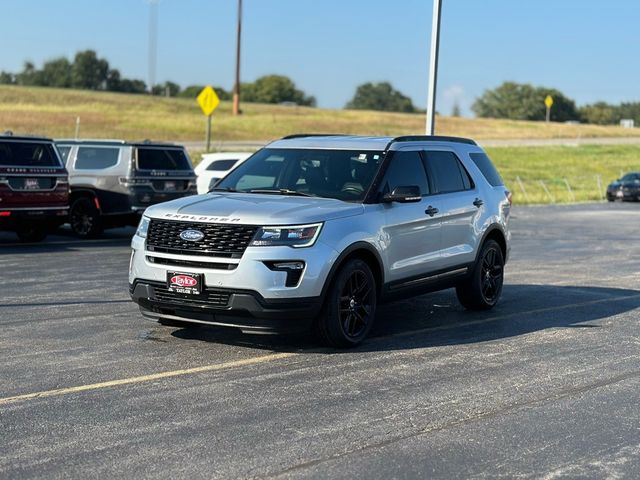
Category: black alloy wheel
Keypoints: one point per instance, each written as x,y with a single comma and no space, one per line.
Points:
350,306
483,288
84,218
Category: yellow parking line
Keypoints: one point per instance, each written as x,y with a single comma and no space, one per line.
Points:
147,378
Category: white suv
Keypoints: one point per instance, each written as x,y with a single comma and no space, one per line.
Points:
317,230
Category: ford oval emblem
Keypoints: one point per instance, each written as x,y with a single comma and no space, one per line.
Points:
192,235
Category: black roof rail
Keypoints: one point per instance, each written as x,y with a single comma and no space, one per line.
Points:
303,135
432,138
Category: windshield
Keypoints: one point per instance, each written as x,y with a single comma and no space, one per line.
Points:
340,174
630,177
28,154
162,159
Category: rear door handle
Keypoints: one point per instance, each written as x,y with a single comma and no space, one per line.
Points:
431,211
478,203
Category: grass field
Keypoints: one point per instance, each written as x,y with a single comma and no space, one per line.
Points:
53,112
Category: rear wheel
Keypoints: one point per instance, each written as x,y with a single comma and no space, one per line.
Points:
84,218
29,232
350,306
483,288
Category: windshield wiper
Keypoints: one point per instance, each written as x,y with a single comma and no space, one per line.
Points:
282,191
222,189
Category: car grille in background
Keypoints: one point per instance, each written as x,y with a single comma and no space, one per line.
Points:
220,239
209,298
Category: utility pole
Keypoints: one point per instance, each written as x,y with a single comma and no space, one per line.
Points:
153,42
433,67
236,87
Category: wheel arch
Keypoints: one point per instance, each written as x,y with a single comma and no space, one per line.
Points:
494,233
367,253
84,192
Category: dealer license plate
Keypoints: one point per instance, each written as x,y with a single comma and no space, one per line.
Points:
184,283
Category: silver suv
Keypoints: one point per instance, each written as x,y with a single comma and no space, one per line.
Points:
316,230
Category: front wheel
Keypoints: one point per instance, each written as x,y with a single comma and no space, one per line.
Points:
84,218
350,306
483,288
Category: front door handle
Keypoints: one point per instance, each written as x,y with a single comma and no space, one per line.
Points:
431,211
478,202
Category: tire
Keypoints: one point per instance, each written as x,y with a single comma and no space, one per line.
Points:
350,306
84,218
32,232
483,288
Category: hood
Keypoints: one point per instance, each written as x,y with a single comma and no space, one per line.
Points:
254,209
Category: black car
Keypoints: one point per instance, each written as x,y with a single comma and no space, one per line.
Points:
625,188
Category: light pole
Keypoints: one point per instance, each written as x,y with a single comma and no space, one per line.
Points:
433,67
236,87
153,42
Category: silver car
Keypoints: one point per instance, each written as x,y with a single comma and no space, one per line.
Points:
315,231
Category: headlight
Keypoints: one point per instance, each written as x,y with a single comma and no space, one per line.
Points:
294,236
143,227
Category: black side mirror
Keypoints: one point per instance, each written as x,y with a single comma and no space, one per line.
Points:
404,194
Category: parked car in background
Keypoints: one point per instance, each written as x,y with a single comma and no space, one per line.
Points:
215,166
625,188
317,230
114,181
34,187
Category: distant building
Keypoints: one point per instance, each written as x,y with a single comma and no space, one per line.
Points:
627,123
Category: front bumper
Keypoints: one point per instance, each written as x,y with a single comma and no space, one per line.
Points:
244,309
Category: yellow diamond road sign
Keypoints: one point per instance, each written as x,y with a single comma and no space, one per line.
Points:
548,101
208,100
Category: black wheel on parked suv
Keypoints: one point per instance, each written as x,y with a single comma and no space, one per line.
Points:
84,218
350,306
483,288
30,232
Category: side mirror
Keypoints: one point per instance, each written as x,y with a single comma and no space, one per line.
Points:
404,194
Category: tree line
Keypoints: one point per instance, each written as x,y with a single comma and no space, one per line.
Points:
511,100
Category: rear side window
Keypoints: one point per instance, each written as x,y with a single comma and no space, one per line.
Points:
406,169
64,153
162,159
221,165
27,154
483,162
448,173
96,158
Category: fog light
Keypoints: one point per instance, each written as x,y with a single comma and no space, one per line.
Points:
293,268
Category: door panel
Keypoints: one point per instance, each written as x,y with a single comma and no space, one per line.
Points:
460,228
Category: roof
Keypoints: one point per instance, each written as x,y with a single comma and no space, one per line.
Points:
356,142
114,142
8,135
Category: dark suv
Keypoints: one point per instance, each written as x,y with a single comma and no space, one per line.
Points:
113,181
34,187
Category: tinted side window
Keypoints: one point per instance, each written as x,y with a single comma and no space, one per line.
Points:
64,153
27,154
221,165
96,158
405,169
487,168
448,174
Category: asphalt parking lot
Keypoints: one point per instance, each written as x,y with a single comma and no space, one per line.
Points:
546,384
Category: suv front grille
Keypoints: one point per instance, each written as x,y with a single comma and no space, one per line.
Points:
220,239
208,299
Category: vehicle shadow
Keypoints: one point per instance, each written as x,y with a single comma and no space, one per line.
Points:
437,319
63,240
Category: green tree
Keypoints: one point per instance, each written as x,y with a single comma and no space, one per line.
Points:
88,71
30,75
455,111
7,78
167,87
517,101
600,113
57,73
275,89
380,96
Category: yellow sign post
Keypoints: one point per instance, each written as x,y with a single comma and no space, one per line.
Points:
208,101
548,102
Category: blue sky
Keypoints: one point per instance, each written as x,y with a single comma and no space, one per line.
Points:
588,49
